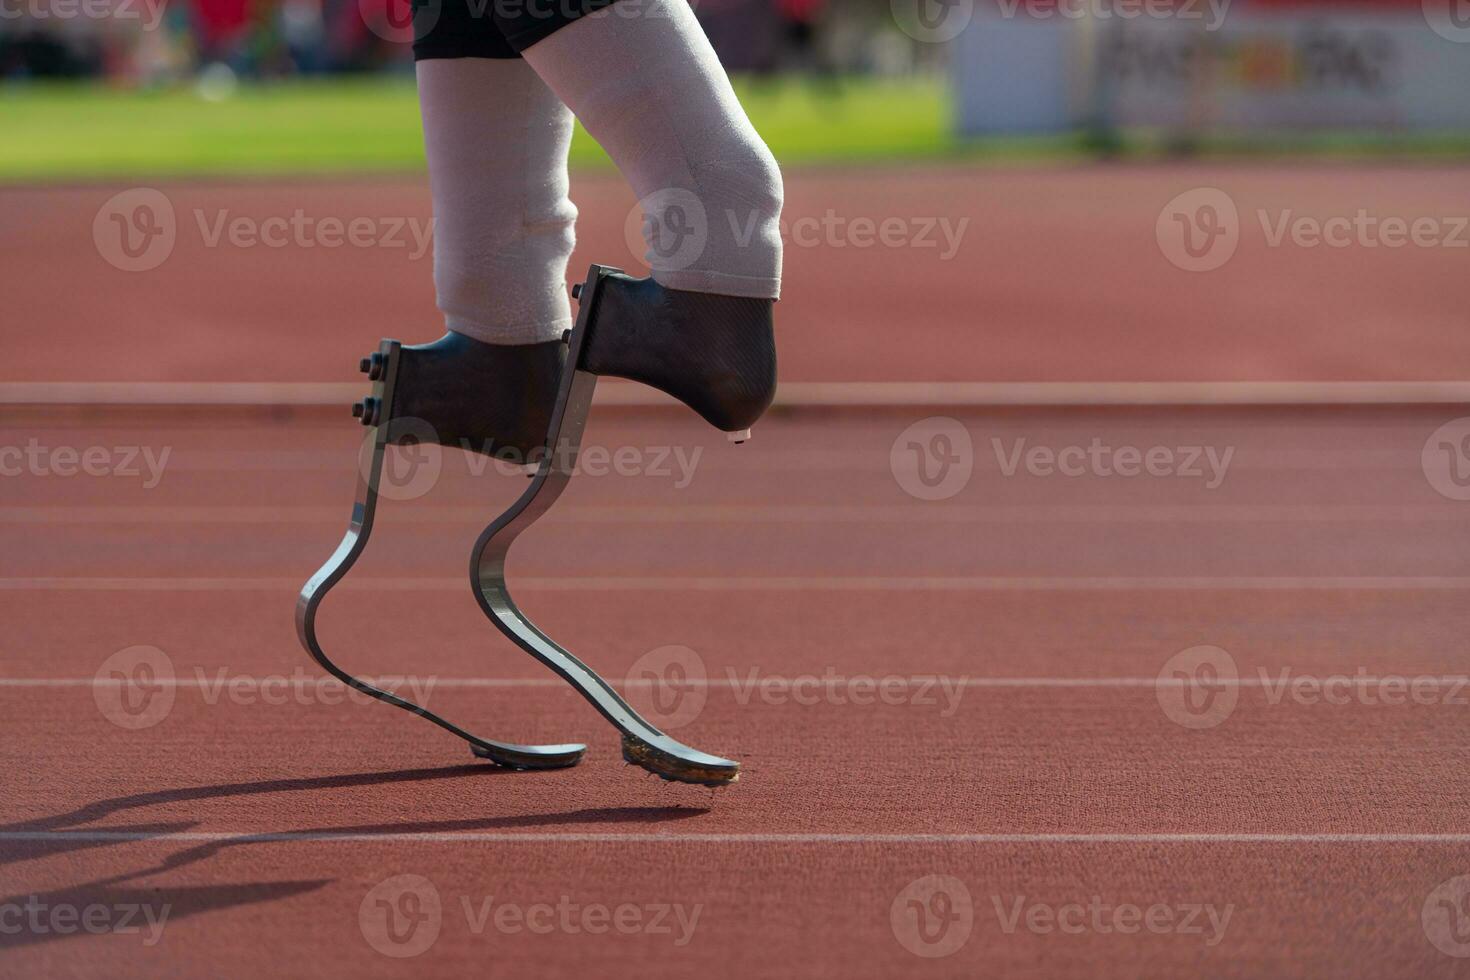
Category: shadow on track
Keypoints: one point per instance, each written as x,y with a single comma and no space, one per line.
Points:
185,901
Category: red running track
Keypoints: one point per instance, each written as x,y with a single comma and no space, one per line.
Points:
950,712
1046,276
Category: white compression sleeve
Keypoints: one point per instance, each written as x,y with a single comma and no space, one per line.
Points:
497,140
644,81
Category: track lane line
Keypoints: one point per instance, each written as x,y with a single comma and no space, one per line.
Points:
1144,513
811,583
913,679
185,837
797,394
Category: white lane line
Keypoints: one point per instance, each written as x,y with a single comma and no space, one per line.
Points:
811,583
800,394
491,837
1442,512
736,683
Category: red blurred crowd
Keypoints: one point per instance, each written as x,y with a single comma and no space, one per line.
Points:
145,40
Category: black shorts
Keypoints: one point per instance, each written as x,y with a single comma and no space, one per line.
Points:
490,28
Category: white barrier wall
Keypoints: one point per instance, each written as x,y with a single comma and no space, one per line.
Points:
1225,68
1016,75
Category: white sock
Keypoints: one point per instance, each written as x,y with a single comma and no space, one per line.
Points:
497,140
644,81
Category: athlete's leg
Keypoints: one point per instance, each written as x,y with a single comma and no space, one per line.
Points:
644,81
497,141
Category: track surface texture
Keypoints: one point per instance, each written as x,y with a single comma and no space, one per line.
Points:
1097,725
1040,276
1022,692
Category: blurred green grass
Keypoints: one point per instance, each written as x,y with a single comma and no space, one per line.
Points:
368,125
59,133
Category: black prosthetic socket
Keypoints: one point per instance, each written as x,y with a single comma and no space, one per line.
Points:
716,354
489,398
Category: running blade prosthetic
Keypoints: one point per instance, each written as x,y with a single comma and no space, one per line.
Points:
626,327
714,353
386,367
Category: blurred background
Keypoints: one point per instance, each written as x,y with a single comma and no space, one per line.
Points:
1017,232
1035,156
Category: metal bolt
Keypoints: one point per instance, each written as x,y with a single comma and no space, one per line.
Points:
577,291
369,410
